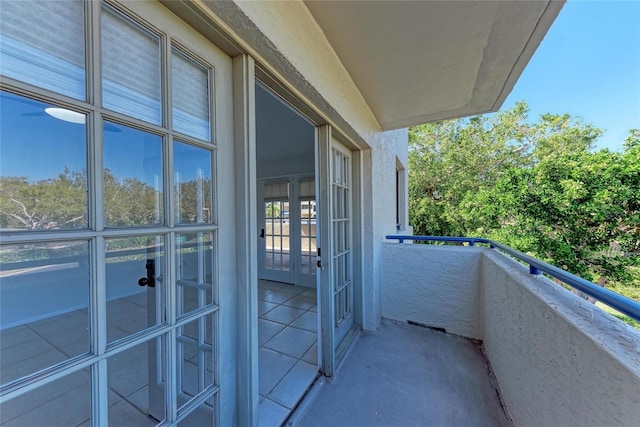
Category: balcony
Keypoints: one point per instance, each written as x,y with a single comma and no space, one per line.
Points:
470,337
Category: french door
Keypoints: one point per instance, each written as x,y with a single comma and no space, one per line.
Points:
287,239
276,261
336,247
109,303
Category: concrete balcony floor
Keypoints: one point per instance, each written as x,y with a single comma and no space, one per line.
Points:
405,375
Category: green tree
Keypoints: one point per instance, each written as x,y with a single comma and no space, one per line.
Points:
580,211
453,163
537,187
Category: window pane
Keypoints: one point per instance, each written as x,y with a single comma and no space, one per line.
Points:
44,296
131,73
42,43
190,83
195,356
308,236
194,271
132,177
277,235
61,403
43,166
201,416
193,182
135,282
139,394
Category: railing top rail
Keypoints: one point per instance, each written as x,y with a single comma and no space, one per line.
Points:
614,300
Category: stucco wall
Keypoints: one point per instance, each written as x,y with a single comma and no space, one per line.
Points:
559,360
434,285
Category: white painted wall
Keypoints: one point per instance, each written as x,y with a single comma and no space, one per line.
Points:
394,144
434,285
559,360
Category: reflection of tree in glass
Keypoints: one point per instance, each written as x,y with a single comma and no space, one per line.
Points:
61,203
194,201
54,203
130,202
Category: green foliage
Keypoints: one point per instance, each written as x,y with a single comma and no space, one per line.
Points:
272,210
52,203
537,187
61,202
129,202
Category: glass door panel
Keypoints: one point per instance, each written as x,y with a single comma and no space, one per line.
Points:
135,265
275,234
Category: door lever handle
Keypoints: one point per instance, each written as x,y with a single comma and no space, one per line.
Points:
150,280
262,233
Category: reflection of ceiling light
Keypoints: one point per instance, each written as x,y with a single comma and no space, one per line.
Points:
66,115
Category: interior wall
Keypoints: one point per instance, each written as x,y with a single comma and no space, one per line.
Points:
285,141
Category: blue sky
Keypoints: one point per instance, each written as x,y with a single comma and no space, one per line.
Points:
588,65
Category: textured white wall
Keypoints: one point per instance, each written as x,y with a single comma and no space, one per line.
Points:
559,360
435,285
292,30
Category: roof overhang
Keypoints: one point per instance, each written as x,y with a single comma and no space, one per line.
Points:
421,61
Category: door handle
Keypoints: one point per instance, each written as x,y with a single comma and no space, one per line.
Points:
150,280
262,233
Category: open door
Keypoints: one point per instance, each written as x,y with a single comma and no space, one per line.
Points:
336,247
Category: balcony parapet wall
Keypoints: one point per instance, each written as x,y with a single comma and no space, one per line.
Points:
558,359
437,286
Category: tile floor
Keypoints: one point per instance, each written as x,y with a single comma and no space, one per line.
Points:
288,350
66,402
287,361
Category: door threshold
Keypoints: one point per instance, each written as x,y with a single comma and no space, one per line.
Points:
305,402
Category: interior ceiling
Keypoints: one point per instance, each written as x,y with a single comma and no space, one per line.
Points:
281,133
420,61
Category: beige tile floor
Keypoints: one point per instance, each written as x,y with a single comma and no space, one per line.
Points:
66,402
287,360
288,351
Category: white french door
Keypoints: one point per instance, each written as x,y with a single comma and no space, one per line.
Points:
287,231
275,240
336,242
116,274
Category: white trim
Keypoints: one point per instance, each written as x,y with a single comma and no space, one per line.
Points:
246,245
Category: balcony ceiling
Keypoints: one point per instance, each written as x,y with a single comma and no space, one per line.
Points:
420,61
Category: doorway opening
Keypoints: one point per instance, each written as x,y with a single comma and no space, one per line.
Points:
288,322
